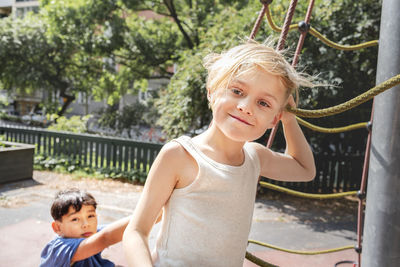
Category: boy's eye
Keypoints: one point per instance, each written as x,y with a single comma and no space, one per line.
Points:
74,219
263,103
237,91
92,216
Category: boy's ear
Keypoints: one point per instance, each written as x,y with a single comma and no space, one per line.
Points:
56,227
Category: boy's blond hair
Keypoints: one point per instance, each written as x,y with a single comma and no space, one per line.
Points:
249,57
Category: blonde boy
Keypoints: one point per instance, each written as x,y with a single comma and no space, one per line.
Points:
207,184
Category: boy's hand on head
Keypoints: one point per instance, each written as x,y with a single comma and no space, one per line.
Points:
286,115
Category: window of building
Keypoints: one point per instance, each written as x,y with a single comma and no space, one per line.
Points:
143,96
22,11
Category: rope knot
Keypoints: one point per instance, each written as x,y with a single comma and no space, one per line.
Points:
369,126
361,195
303,26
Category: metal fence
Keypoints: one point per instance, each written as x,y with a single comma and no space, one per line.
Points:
335,172
90,150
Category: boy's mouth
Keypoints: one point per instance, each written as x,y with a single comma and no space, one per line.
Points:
241,120
87,234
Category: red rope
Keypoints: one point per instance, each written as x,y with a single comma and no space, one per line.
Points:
258,21
303,34
281,44
286,24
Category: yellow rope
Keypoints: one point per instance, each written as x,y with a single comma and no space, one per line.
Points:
300,251
258,261
306,195
318,35
364,97
332,44
331,130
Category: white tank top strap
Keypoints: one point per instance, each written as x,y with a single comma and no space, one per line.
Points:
186,143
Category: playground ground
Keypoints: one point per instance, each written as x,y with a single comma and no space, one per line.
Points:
279,219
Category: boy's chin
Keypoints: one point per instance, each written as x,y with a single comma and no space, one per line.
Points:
248,138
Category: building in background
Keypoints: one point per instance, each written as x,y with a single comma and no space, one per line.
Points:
18,8
6,8
22,7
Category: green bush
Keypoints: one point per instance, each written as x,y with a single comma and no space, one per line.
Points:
75,124
67,165
7,117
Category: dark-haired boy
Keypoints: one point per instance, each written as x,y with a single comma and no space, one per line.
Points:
79,241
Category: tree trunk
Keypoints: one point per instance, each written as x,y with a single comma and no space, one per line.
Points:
67,99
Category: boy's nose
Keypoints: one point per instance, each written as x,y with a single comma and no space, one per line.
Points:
85,223
244,106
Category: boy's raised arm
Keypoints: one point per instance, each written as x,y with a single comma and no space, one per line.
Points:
96,243
297,164
159,185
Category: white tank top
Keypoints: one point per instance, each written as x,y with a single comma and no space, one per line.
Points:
207,223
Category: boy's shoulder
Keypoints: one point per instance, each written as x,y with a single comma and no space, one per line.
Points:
59,251
175,148
174,155
59,242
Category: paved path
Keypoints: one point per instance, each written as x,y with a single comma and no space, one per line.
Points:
25,226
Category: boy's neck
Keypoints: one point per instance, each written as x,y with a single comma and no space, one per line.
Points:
217,146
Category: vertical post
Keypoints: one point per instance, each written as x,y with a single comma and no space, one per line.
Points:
382,232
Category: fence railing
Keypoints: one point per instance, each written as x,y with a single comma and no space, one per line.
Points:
335,172
90,150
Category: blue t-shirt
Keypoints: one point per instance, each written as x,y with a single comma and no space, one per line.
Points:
59,252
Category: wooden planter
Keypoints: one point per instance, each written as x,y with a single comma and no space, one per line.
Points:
16,161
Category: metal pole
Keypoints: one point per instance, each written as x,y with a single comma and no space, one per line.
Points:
382,216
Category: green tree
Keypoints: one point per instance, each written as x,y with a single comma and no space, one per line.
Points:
65,49
86,33
38,60
126,119
76,46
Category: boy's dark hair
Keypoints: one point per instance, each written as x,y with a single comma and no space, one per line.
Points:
70,197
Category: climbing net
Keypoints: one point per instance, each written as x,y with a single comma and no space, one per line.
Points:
304,28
